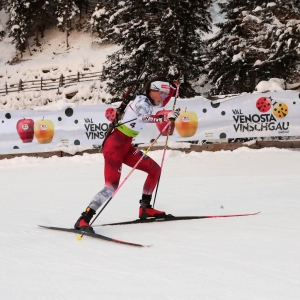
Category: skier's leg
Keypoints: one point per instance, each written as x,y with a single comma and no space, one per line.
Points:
153,170
115,149
147,165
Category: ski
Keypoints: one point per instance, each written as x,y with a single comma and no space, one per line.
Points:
172,218
94,235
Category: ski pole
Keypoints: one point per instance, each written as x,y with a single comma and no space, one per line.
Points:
177,83
120,185
126,122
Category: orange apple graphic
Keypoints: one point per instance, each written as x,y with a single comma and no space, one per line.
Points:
187,123
162,125
44,131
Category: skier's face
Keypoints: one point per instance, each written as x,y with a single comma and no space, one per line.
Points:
157,97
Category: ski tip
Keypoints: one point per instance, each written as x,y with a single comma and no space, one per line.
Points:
79,238
42,226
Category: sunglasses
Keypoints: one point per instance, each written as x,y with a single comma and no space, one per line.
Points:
163,95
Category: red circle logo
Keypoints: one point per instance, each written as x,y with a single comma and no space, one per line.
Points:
263,104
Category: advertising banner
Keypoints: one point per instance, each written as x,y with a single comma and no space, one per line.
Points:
244,116
48,130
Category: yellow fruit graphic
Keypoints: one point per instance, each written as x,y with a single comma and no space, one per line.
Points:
187,123
280,110
44,131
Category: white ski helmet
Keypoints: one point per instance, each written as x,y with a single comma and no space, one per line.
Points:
161,86
165,89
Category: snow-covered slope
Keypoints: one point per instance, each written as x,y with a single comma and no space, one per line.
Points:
54,58
232,258
50,61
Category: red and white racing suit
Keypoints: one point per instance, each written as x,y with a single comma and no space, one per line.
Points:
118,150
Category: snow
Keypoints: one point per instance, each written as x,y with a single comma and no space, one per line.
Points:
171,145
252,18
239,56
59,105
15,27
216,17
272,85
98,13
247,258
258,8
293,22
53,56
257,63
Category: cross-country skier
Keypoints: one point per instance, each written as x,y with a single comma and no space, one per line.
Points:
118,150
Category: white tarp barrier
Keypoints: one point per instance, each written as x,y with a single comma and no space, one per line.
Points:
245,116
49,130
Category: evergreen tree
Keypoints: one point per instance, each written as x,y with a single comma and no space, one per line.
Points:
40,14
27,18
163,35
66,12
99,20
19,22
259,40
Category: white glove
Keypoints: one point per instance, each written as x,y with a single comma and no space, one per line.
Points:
173,115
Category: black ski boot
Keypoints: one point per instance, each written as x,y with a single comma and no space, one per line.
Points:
146,210
84,220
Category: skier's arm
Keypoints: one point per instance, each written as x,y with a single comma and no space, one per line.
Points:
143,110
171,116
151,118
172,90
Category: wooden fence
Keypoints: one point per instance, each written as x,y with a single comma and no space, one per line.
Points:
49,83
